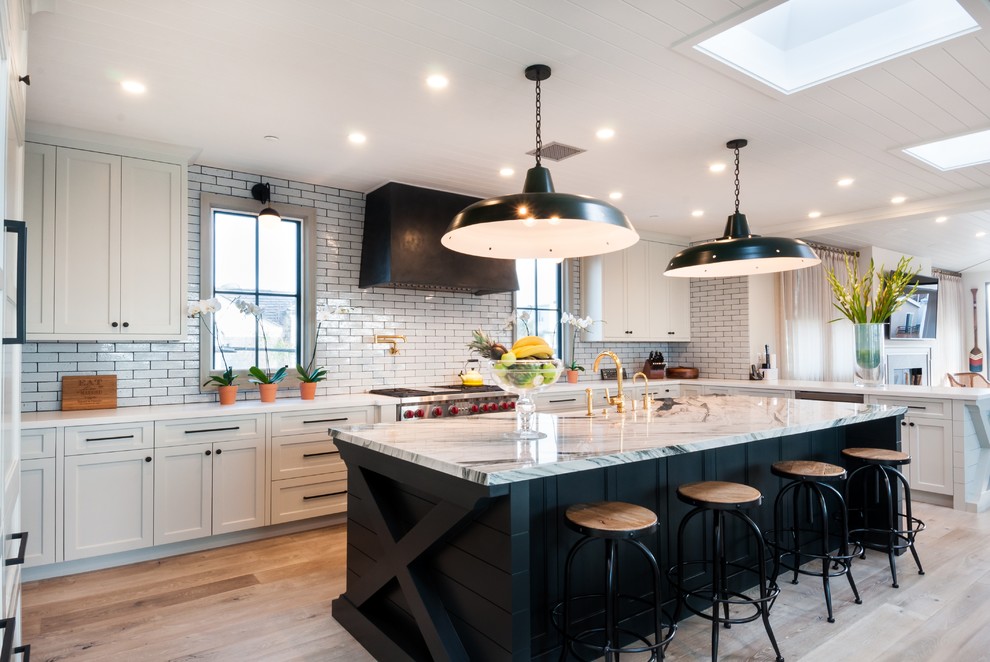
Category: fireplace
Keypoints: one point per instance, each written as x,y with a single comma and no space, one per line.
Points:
909,366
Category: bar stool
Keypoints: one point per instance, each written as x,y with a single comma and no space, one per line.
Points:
885,527
812,537
722,499
613,522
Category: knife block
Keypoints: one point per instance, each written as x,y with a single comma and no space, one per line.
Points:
654,370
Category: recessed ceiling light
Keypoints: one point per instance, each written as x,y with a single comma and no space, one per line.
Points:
845,181
357,137
133,86
615,195
716,167
801,43
958,152
437,81
698,213
981,233
897,199
507,172
274,139
941,219
814,214
605,133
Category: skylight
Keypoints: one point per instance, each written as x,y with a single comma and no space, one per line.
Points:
801,43
958,152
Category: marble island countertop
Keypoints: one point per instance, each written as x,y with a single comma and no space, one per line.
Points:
476,449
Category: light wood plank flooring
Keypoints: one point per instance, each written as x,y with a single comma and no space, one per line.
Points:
270,600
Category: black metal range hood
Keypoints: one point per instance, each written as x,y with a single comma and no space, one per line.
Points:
401,248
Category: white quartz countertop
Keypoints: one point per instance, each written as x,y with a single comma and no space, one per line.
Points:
475,449
200,410
944,392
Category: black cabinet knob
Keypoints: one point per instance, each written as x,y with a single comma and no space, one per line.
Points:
219,451
147,459
126,324
911,423
903,422
208,453
114,325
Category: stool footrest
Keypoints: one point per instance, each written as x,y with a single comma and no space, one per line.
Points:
666,622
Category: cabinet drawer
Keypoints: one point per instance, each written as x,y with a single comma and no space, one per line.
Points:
319,420
203,430
916,406
37,444
304,455
299,498
83,439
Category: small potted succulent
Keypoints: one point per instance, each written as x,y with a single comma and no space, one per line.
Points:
226,388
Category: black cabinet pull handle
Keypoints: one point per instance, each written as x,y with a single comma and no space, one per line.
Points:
564,400
219,450
24,650
319,496
8,636
114,325
325,420
917,407
22,548
126,324
319,454
147,459
236,427
123,436
209,452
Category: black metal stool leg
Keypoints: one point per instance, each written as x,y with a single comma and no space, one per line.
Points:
765,598
909,523
718,554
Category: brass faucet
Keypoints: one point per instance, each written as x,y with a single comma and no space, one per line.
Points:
647,400
391,340
618,400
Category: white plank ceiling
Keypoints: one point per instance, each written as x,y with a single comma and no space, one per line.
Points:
222,74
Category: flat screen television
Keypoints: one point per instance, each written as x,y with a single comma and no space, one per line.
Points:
917,315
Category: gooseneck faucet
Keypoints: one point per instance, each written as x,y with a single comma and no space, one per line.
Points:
618,401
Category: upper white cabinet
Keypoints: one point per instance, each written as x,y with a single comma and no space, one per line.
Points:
105,252
635,301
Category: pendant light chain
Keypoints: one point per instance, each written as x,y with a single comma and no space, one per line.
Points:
539,139
737,178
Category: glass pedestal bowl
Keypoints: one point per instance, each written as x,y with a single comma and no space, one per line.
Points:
524,377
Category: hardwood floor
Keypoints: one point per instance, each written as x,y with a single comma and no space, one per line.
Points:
270,600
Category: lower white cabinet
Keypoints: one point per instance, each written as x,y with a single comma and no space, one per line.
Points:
210,487
108,502
38,510
929,443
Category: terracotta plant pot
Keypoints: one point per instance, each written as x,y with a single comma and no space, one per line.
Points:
307,390
228,394
268,392
572,376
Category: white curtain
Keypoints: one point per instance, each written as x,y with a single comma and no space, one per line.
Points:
814,347
951,353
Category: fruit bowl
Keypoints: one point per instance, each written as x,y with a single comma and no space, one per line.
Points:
525,377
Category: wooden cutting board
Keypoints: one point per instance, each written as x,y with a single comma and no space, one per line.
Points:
89,392
680,372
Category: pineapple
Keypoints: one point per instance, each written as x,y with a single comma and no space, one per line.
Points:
485,346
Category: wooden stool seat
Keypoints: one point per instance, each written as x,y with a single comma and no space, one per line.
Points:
802,469
877,456
610,519
719,495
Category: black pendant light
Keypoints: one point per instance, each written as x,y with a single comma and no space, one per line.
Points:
740,252
539,222
263,194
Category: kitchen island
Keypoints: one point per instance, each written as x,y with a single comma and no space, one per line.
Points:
455,534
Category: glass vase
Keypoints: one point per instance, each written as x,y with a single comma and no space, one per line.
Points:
869,368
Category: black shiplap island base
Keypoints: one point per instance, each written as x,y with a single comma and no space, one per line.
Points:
455,534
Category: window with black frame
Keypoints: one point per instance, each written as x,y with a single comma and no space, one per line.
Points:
538,301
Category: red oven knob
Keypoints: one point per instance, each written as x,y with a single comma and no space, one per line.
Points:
437,412
407,413
512,404
505,405
453,410
420,413
475,409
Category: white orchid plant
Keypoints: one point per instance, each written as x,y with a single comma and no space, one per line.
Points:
201,309
259,376
311,373
577,324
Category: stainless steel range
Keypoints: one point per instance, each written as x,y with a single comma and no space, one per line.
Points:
448,401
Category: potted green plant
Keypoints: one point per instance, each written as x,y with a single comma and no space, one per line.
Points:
226,388
311,375
868,301
577,324
266,380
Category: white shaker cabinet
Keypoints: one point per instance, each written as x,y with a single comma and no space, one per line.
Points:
926,435
210,477
38,496
628,292
105,245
